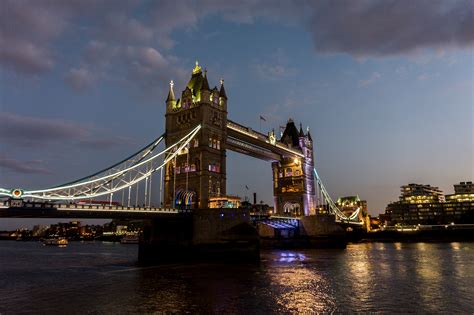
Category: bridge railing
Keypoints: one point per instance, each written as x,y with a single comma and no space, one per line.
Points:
86,207
120,208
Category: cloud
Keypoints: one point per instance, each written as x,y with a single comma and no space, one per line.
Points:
32,131
25,57
30,31
26,32
374,77
25,167
380,28
80,79
141,66
120,28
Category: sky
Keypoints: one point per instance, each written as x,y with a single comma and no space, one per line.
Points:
385,87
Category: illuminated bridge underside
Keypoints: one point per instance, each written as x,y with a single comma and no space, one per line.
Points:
247,141
246,148
45,210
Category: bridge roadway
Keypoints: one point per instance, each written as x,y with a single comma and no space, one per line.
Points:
45,210
73,211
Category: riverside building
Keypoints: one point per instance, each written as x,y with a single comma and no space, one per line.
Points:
426,205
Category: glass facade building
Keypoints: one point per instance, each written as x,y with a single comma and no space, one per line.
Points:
426,205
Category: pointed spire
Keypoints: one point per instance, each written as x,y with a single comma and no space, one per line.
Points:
171,93
197,69
301,133
222,91
308,134
205,83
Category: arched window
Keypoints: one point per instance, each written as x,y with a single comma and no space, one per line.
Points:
292,208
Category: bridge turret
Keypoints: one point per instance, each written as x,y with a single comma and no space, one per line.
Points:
205,90
170,100
301,133
222,96
290,135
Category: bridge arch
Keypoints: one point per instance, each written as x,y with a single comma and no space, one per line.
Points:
185,198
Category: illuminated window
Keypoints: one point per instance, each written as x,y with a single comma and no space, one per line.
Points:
218,144
215,167
196,143
288,172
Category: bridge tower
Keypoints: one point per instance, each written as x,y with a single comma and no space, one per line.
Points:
199,171
293,178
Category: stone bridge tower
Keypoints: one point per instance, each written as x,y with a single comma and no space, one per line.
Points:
293,178
199,171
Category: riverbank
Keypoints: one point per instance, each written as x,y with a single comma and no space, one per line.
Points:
461,235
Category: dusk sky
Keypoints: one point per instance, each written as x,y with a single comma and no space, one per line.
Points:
386,87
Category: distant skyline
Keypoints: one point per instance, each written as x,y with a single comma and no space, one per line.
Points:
386,88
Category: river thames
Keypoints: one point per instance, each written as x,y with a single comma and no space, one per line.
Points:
370,277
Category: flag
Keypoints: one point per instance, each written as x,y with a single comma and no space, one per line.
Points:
262,118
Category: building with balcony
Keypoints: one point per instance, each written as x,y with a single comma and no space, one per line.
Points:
426,205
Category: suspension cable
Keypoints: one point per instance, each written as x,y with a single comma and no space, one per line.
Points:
177,148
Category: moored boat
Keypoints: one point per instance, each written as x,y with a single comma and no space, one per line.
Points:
56,241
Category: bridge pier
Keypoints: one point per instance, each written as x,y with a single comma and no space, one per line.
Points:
319,231
217,235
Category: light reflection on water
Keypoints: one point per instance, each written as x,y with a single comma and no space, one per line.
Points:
303,289
370,277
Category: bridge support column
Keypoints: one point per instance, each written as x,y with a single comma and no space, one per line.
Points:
223,235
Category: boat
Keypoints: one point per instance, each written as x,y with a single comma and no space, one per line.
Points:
55,241
129,239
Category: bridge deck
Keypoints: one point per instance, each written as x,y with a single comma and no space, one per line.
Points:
45,210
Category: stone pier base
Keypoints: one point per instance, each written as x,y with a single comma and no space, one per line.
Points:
317,231
223,235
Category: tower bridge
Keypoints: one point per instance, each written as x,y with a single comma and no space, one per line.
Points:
192,164
185,167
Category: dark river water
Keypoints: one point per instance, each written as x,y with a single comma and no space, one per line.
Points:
104,278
